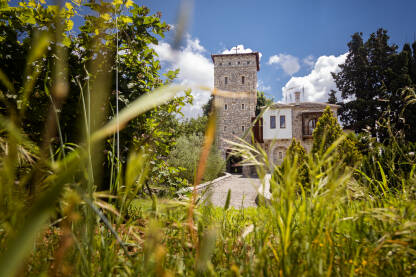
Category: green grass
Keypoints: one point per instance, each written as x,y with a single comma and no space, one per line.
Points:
55,222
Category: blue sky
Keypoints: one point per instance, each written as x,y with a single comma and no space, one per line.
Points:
301,42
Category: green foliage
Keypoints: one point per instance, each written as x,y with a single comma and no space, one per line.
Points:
362,223
262,101
395,159
186,156
297,156
332,99
207,108
338,228
374,76
327,131
23,28
191,126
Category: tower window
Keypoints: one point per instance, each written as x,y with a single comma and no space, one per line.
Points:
220,64
248,62
225,128
272,122
242,106
282,121
280,155
238,62
229,63
242,79
242,128
225,107
225,80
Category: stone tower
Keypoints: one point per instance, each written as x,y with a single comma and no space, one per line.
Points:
236,74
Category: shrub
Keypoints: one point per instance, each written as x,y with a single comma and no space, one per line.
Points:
327,132
186,154
296,155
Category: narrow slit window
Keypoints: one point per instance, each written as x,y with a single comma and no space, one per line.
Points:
272,122
242,128
248,62
225,128
242,106
280,155
225,80
229,63
220,64
242,79
282,121
226,107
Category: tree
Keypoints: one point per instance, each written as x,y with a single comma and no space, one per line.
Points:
207,107
327,132
374,76
298,152
332,99
90,55
186,154
262,101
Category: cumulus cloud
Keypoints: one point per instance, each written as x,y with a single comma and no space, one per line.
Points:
195,69
288,63
317,84
240,49
309,61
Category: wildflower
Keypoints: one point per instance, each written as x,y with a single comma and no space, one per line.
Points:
350,261
364,262
321,244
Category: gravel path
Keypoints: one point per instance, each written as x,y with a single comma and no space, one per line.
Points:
243,191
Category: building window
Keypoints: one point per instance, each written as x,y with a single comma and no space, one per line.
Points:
248,62
225,107
229,63
238,62
280,155
282,121
311,126
242,128
220,64
225,128
272,122
242,106
242,80
225,80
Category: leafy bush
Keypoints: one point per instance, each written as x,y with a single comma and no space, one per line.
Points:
327,132
296,155
186,155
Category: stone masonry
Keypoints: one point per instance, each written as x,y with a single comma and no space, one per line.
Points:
302,114
236,76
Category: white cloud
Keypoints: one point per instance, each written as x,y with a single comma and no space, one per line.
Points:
195,70
262,87
309,61
240,49
316,84
288,63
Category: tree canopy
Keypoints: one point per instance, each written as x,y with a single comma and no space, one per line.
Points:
30,35
372,82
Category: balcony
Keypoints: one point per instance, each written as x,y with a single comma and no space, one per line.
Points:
309,120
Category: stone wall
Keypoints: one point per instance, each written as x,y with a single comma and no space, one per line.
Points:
301,114
236,109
